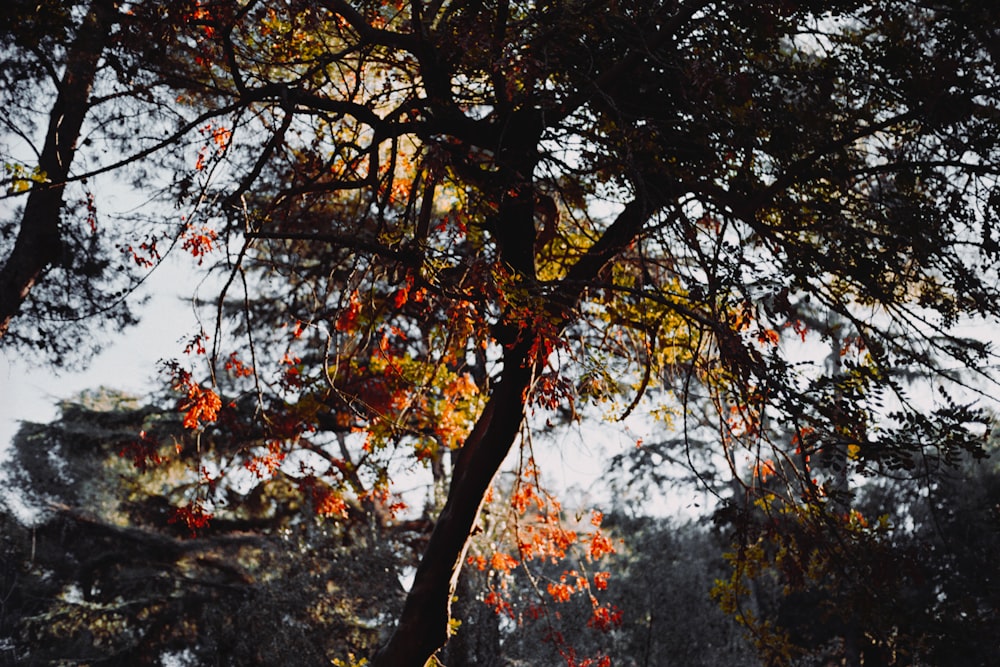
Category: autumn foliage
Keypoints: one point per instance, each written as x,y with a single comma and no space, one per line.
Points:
540,543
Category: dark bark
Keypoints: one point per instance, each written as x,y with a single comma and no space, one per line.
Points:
423,625
38,243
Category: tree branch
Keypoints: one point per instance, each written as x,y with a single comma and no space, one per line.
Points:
38,243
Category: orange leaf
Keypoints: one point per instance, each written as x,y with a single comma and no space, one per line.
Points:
560,592
600,545
202,405
501,562
349,317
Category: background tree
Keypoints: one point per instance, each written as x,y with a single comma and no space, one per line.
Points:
888,582
38,36
116,564
112,571
38,239
101,566
659,612
92,117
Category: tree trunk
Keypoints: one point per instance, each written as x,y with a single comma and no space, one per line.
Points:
38,243
423,625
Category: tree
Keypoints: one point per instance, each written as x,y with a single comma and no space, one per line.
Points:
516,209
898,579
71,259
107,572
116,567
38,242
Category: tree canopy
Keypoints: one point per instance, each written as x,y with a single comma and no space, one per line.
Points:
442,230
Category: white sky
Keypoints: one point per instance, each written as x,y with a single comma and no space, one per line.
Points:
129,362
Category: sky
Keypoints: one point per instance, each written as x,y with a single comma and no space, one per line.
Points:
573,462
30,392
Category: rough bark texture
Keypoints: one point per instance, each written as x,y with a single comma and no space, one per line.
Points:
38,243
